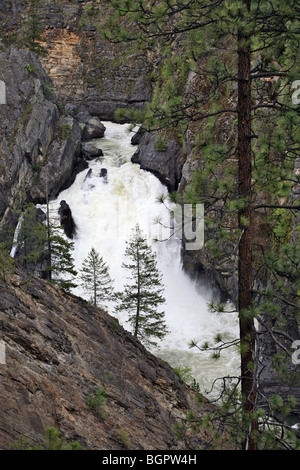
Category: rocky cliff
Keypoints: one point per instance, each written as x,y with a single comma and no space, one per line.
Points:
84,68
60,351
40,144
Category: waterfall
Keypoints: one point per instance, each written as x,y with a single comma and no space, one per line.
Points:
16,236
107,200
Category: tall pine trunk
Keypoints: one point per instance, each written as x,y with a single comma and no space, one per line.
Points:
247,331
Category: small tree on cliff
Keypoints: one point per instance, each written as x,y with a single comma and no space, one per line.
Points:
60,267
33,28
95,278
142,297
31,237
6,263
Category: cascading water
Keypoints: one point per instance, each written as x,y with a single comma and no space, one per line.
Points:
105,210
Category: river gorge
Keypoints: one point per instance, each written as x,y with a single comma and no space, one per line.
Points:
105,209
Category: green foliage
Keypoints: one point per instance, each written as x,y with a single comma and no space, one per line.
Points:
32,30
66,132
123,438
199,40
142,297
32,235
185,373
95,278
160,144
30,69
48,92
61,268
97,399
7,264
52,441
179,428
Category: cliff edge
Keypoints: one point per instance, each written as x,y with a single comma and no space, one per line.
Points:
60,352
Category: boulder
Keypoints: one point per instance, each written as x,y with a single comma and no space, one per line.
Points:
66,219
103,174
94,129
137,137
90,151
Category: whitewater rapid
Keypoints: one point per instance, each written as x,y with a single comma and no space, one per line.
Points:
105,211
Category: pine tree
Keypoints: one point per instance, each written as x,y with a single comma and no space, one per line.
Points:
243,55
31,239
60,267
143,296
33,28
7,265
95,278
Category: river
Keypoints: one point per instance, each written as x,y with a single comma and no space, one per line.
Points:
105,210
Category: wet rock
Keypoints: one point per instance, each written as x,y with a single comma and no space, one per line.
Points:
136,139
165,164
88,174
103,174
94,129
66,219
90,151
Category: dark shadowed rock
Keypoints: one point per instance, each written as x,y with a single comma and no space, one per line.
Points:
94,129
137,137
66,219
88,174
90,151
103,174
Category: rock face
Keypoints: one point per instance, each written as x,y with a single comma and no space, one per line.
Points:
165,161
59,351
66,219
40,146
84,68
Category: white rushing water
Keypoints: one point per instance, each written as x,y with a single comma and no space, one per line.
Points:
105,213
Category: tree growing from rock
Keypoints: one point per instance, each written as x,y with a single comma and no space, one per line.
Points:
95,278
7,263
33,28
31,236
143,295
60,266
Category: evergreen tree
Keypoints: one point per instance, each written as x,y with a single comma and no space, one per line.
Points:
33,28
7,264
60,267
31,238
95,278
142,297
243,55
